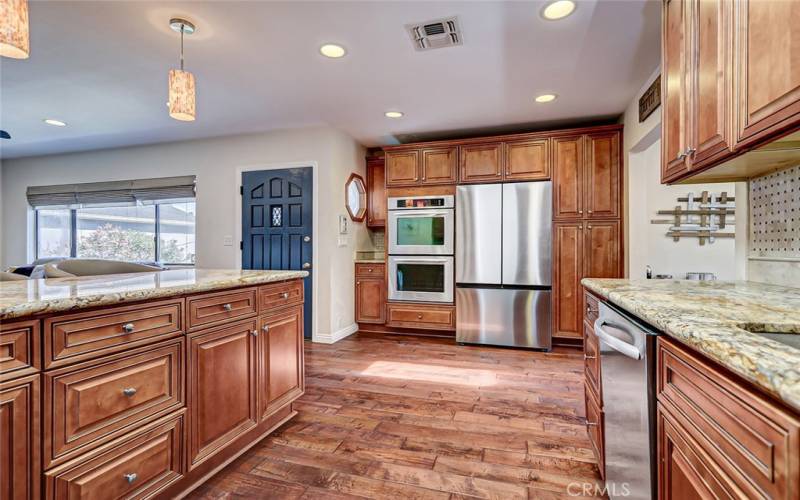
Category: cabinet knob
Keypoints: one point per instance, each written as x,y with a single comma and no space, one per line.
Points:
499,174
358,282
419,316
370,270
254,333
128,327
580,211
588,227
130,477
589,211
423,177
129,391
227,307
265,328
285,295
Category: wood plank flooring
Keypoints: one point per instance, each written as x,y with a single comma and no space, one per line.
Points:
407,417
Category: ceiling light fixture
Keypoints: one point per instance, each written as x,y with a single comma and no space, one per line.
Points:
182,97
332,50
558,9
15,38
394,114
54,122
546,98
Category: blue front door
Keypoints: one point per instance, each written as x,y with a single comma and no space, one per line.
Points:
277,224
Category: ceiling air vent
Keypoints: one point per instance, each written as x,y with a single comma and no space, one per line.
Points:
435,34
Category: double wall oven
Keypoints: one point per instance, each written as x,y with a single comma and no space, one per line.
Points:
421,246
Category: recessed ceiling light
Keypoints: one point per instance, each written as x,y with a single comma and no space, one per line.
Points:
332,50
55,123
558,9
546,98
393,114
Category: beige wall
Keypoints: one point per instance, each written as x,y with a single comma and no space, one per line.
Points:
218,163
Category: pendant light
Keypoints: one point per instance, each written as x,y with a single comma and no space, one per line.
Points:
181,83
15,39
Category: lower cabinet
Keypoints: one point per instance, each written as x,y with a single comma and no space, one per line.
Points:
221,387
280,360
371,300
421,316
20,454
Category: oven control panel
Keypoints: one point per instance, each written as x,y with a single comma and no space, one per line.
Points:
421,202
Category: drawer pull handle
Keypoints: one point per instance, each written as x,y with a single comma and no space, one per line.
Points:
129,391
589,310
585,356
265,328
285,295
128,327
130,477
227,307
591,424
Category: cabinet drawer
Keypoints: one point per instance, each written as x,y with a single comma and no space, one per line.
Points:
595,426
753,440
591,361
423,316
591,308
19,348
77,337
280,294
136,466
91,403
213,308
368,270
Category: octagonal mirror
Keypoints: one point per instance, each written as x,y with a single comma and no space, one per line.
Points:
355,194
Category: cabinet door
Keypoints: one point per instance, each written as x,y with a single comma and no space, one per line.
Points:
674,89
709,110
371,300
767,63
527,160
602,186
222,387
376,193
595,427
280,355
19,438
481,163
567,264
439,166
402,168
601,250
568,177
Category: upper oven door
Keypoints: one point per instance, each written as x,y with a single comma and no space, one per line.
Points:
421,232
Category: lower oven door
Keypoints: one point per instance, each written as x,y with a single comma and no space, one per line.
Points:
421,279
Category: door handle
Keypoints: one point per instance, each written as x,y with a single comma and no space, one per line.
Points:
622,347
306,265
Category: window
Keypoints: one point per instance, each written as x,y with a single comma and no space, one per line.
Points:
162,232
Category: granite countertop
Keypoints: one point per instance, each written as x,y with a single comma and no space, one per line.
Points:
711,317
38,296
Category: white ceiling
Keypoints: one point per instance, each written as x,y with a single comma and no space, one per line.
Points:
102,66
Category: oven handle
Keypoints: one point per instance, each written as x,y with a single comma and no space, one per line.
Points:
417,260
618,345
444,212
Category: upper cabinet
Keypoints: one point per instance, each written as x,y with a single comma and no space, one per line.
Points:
376,192
568,177
527,160
481,163
439,166
417,167
730,84
402,168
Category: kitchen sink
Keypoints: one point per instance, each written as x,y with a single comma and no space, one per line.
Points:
790,339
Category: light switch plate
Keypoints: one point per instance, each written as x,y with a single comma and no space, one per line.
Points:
227,241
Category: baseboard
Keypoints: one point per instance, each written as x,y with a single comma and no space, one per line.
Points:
337,335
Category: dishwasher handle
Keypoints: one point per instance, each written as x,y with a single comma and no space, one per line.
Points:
625,348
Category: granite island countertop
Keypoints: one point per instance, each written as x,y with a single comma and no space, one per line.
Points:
714,317
43,296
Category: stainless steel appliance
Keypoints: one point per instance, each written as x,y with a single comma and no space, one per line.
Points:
422,278
503,264
628,369
422,225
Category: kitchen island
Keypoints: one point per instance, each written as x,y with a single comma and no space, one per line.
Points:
727,383
143,384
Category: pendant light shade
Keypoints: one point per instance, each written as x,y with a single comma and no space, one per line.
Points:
181,95
15,37
181,83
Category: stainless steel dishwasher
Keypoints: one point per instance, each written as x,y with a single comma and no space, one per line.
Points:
628,371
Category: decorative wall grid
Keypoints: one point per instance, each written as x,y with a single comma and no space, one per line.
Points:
705,217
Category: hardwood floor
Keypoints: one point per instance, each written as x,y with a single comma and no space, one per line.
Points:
407,417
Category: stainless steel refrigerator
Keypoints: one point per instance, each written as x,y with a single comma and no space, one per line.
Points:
503,264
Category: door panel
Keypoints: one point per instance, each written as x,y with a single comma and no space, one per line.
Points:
481,163
280,360
371,300
602,250
19,438
277,225
527,160
602,175
402,168
376,193
567,264
568,175
222,387
439,166
674,90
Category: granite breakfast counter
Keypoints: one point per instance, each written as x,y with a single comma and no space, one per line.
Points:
714,317
45,296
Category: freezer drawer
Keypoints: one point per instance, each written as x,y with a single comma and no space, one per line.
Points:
503,316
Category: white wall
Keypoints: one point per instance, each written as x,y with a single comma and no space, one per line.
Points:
217,163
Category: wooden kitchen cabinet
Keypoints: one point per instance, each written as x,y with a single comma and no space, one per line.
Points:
20,430
602,175
674,88
420,167
402,168
568,177
439,165
221,387
376,192
280,359
421,316
480,163
527,160
568,243
601,250
371,300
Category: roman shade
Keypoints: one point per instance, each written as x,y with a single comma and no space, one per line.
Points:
143,191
